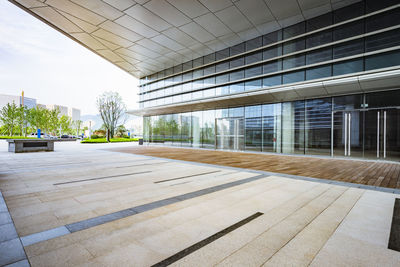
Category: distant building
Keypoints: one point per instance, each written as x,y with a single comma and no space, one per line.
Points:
74,113
28,102
63,109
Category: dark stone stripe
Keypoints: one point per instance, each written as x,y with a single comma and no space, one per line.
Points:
394,239
183,177
142,164
85,224
104,177
183,253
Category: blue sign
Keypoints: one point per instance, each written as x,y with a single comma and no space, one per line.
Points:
38,133
129,133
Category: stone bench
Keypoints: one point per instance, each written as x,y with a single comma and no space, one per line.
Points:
30,145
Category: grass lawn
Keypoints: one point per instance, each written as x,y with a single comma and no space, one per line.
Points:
17,137
113,140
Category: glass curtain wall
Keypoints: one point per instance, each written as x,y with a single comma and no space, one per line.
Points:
364,125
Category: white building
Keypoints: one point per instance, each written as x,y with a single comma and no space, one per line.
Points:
63,109
28,102
74,114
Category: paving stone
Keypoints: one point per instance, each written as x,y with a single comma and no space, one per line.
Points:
23,263
7,232
45,235
11,251
5,218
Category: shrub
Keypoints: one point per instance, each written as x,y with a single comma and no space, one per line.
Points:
94,136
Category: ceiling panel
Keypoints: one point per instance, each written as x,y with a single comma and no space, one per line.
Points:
145,36
191,8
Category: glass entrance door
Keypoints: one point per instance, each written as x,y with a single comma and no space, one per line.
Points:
382,132
347,132
230,134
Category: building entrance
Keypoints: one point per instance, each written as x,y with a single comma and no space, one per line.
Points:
372,133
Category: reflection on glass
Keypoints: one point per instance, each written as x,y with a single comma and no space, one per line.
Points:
293,127
346,67
196,128
208,129
186,129
271,127
318,126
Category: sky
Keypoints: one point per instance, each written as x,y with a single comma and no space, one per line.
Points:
54,69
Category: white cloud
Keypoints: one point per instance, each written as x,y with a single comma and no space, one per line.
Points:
52,68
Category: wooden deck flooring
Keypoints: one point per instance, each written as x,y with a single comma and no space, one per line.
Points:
383,174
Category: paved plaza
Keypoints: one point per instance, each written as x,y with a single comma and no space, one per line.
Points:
85,205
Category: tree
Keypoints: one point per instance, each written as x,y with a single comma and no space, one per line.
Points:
121,130
10,117
38,118
65,124
112,111
77,126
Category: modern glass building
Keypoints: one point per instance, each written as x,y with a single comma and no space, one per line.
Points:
358,39
321,78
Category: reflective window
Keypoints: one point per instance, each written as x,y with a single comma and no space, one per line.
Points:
348,30
272,52
254,57
222,78
222,54
346,67
253,71
197,84
253,84
186,129
237,49
383,99
348,102
236,75
187,86
186,97
208,129
178,69
348,12
196,128
272,81
187,65
382,20
236,112
293,46
318,126
319,38
197,94
209,58
160,75
236,88
254,43
197,73
272,66
348,49
222,66
293,77
294,30
319,55
382,60
169,71
293,127
319,22
236,62
209,82
382,40
294,61
319,72
272,37
222,90
209,92
272,127
187,76
198,62
209,70
373,5
177,78
253,128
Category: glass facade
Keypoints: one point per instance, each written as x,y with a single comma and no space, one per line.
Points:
329,45
339,126
358,38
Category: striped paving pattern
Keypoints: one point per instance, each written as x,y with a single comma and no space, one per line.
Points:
374,173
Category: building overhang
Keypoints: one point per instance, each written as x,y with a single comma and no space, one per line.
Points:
144,37
383,79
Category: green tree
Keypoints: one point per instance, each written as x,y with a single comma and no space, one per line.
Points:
10,117
112,111
65,124
77,125
37,118
121,130
53,122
